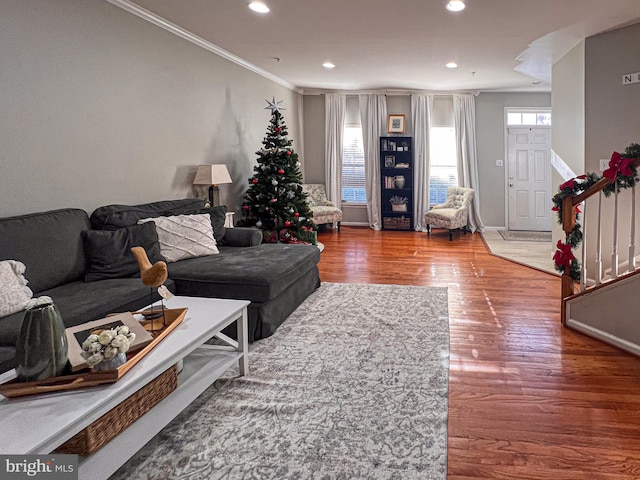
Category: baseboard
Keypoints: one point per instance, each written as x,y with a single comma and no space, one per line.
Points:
354,224
495,228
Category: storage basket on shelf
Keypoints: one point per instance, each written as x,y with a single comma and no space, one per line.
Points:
396,223
120,417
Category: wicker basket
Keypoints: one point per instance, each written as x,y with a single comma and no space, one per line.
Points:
396,223
117,419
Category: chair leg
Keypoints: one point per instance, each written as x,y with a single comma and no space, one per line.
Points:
450,235
428,229
338,227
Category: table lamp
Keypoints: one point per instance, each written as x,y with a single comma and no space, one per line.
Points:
212,175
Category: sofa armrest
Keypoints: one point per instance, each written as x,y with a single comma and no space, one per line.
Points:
328,203
242,237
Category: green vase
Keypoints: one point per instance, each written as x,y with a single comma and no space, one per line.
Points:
41,351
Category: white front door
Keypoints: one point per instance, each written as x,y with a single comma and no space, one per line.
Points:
529,178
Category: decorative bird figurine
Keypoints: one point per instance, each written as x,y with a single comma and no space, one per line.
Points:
151,275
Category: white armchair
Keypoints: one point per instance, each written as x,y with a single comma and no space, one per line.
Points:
453,214
324,211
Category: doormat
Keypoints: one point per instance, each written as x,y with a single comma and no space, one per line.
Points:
525,236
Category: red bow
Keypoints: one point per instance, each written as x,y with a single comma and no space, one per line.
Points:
571,183
563,256
618,164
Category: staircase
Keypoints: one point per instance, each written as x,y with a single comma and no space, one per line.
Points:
600,304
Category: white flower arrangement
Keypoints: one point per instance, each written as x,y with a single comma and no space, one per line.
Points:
107,344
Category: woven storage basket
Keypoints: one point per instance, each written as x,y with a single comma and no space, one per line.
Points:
396,223
117,419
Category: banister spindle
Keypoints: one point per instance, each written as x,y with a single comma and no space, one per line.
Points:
599,242
614,254
632,241
568,222
583,272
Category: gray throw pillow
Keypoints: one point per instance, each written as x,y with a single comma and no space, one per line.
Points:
109,251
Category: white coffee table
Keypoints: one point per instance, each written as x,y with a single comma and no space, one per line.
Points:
38,424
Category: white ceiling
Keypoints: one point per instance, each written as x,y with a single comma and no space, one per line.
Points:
500,45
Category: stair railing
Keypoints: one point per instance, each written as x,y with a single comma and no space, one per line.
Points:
568,220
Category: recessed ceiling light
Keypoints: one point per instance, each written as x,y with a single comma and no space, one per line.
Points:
259,7
452,65
455,5
328,65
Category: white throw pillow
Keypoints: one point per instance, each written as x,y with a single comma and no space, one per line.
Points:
184,236
14,293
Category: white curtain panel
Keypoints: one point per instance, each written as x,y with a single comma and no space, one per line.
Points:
464,116
335,105
421,108
373,116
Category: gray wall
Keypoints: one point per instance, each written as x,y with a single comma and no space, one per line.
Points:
611,109
611,120
99,106
490,143
314,138
567,128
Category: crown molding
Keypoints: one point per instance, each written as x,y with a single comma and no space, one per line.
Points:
157,20
392,92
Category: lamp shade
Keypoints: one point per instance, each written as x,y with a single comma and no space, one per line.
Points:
212,175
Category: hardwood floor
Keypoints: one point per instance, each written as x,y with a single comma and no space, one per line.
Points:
528,399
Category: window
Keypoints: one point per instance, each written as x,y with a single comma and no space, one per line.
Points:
528,117
353,180
443,169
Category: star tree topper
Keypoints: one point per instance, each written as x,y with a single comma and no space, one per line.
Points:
274,105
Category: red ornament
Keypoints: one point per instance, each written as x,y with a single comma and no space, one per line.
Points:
281,172
288,152
273,200
287,223
296,214
277,129
254,181
245,207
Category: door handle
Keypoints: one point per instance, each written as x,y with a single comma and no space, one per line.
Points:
511,184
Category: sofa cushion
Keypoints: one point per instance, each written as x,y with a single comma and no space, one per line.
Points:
112,217
14,293
184,236
256,273
81,302
109,251
218,216
49,244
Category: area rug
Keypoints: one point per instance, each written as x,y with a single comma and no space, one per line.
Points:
353,385
525,236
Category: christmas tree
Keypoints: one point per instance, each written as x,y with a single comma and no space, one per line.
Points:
275,202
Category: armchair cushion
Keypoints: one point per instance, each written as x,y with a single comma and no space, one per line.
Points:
454,213
324,210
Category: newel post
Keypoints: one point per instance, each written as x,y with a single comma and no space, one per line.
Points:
568,223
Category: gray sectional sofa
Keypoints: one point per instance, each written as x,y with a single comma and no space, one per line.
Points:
83,263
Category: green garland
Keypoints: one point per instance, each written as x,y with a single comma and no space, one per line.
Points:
626,176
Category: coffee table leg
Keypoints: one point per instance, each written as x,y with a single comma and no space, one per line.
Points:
243,343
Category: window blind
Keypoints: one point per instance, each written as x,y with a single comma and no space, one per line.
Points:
353,179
